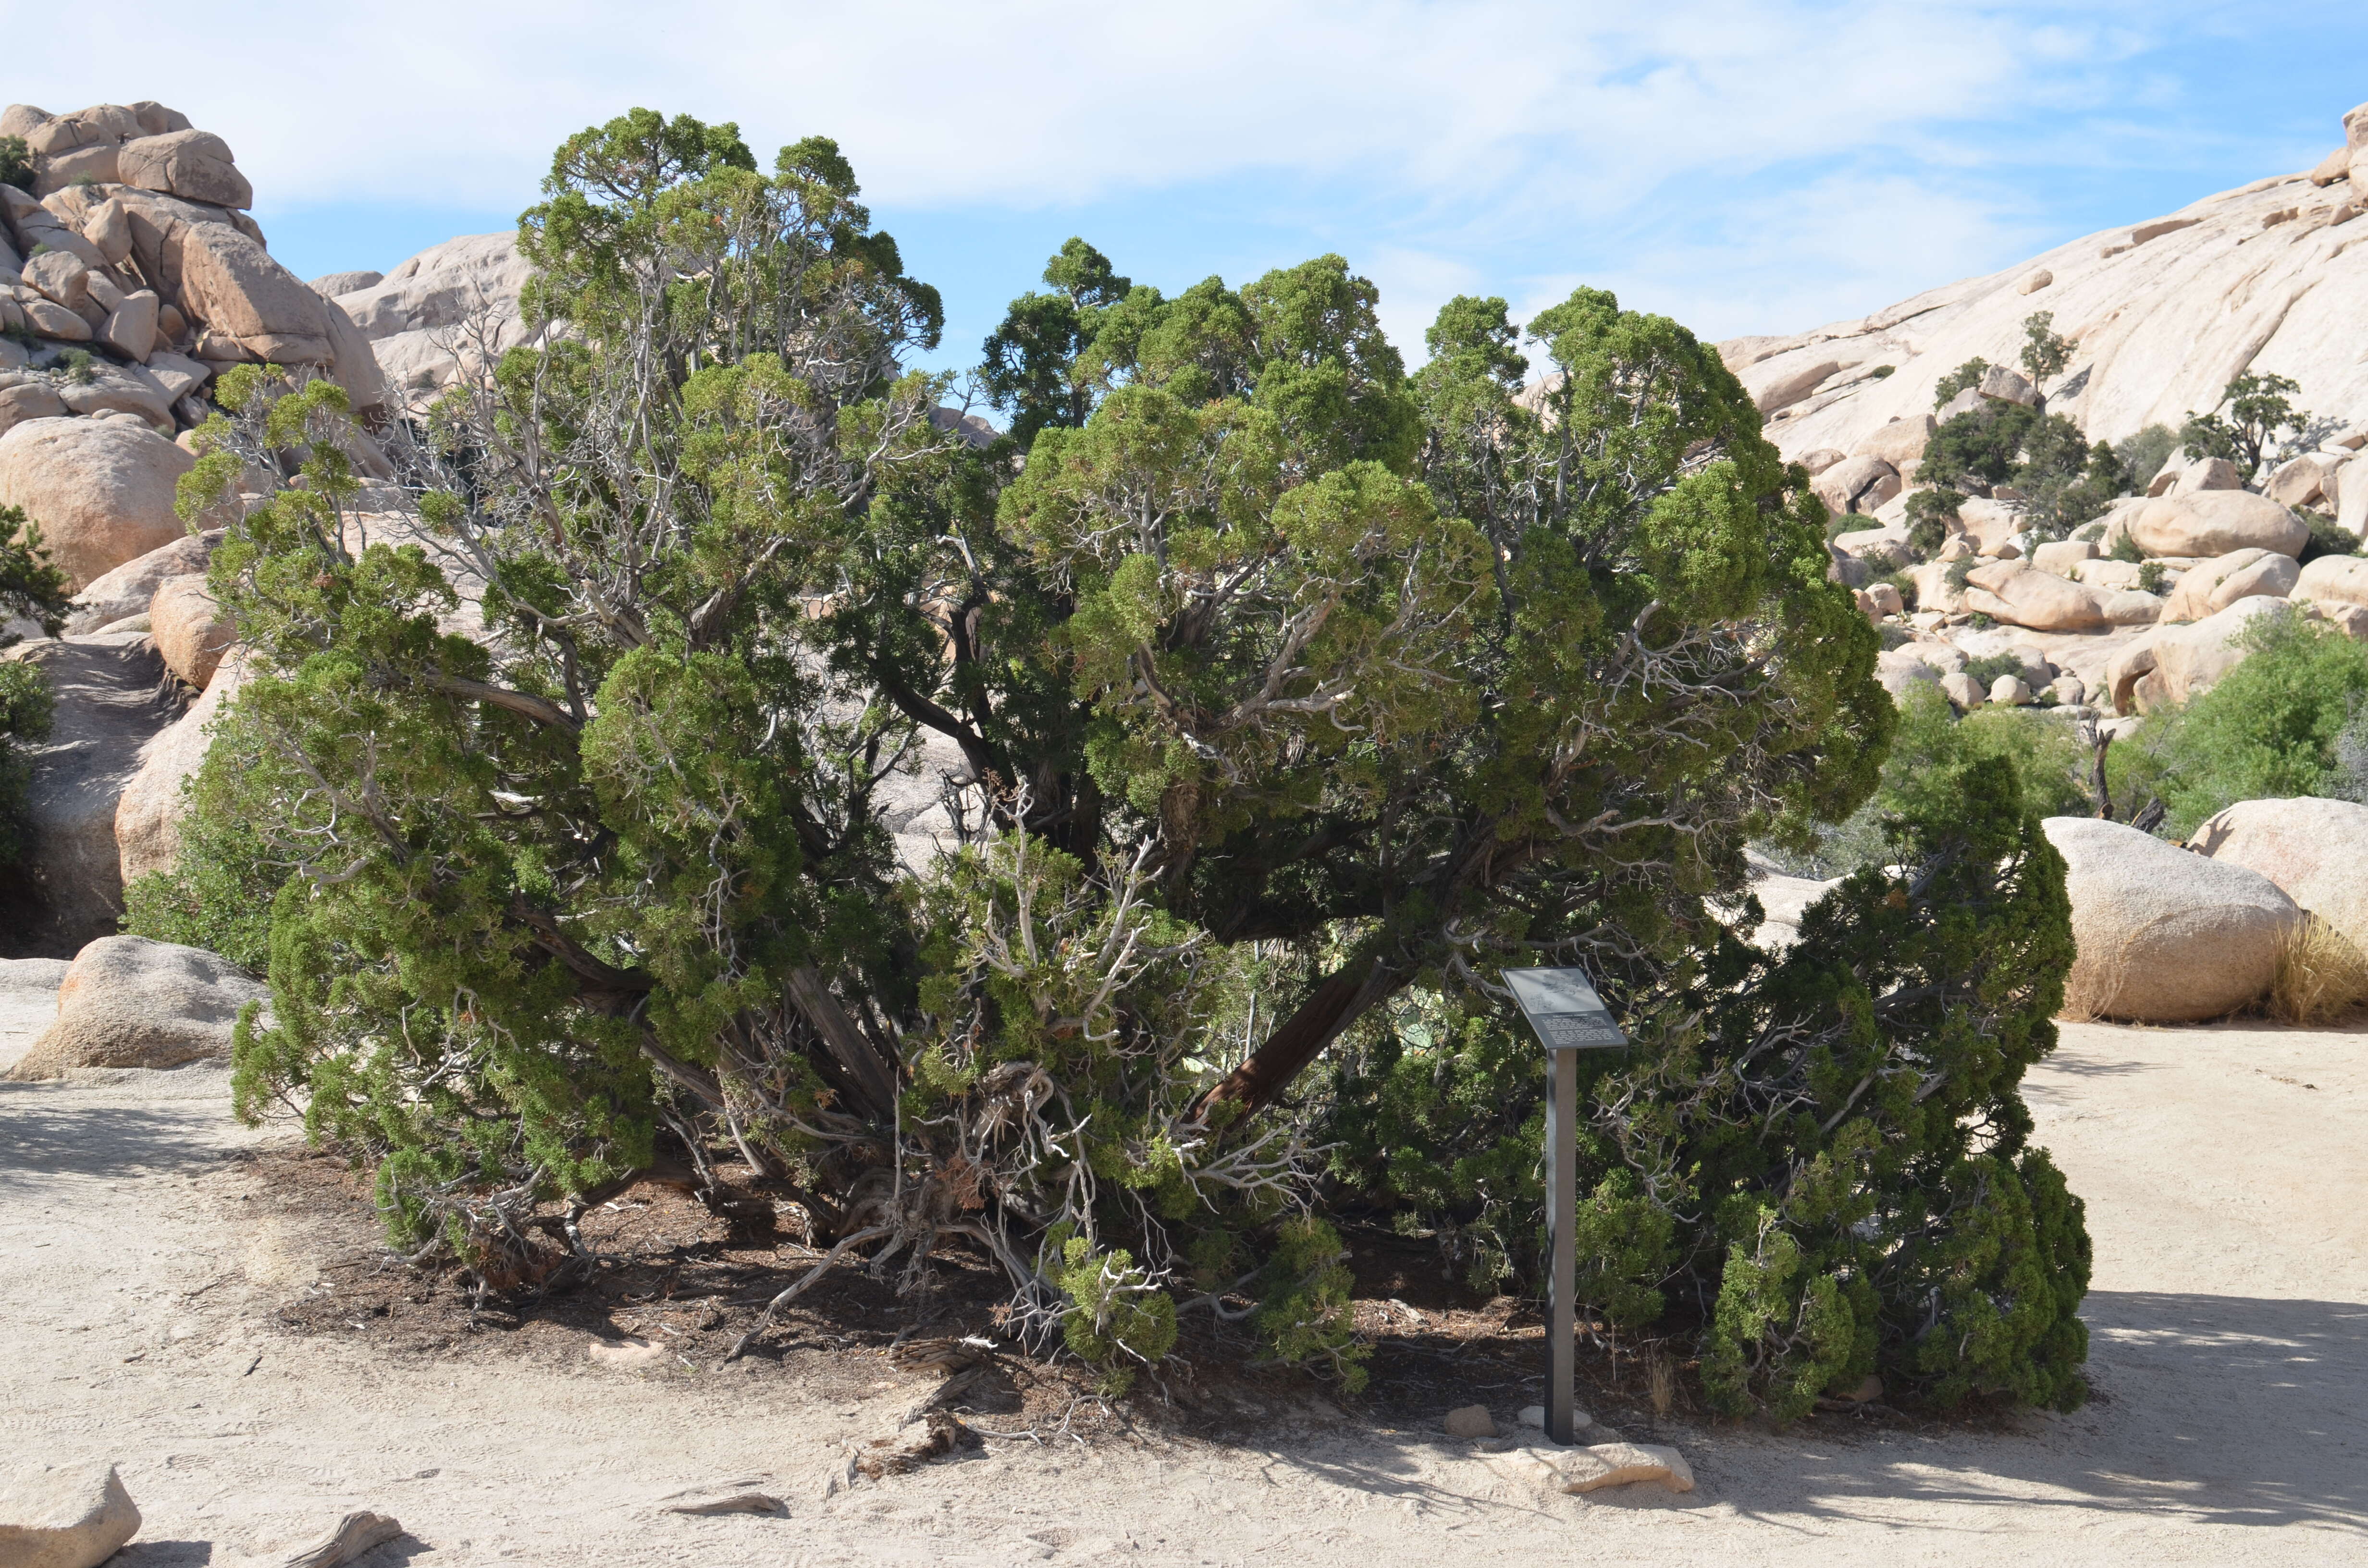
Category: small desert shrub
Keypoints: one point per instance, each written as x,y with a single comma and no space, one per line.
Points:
2153,577
1987,669
2126,548
2269,728
2144,454
16,163
2321,974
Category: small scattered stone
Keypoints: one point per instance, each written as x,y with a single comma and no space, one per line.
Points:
628,1352
1470,1421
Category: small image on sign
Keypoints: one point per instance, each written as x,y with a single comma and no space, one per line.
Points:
1562,1006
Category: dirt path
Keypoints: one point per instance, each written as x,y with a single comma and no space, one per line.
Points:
2223,1169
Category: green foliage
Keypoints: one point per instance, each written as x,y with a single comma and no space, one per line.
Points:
219,891
2154,577
82,367
1120,1319
1931,511
2144,454
25,710
2045,352
1285,686
1031,363
1933,746
2065,481
1964,378
2258,407
1828,1151
30,589
16,163
2327,537
2126,548
2271,727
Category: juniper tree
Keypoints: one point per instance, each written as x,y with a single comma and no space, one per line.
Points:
1813,1166
1281,684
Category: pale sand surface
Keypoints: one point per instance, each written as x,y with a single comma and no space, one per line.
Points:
2230,1355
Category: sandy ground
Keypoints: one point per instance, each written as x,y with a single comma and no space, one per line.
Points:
2223,1169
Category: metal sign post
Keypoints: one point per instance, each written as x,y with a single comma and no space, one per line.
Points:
1568,1016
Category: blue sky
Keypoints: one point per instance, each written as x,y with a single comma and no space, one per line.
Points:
1744,167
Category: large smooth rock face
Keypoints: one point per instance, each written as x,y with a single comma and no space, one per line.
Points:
193,164
191,632
129,589
149,812
410,315
2314,851
2164,936
2214,584
109,706
101,489
2334,579
2162,326
2021,594
2185,662
244,299
129,1002
2213,523
74,1517
1900,442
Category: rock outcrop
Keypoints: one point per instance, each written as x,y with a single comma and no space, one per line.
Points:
2314,851
109,699
2180,663
2021,594
2213,586
148,812
2164,936
441,310
129,1002
101,489
132,275
130,588
191,629
2272,276
2209,523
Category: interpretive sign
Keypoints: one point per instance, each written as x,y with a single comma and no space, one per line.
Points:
1562,1006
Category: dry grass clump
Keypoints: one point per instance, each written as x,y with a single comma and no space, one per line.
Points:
2321,974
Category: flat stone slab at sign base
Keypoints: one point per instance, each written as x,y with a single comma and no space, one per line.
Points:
129,1002
2162,936
628,1353
1579,1471
74,1517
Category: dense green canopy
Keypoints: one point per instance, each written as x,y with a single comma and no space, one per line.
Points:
1288,690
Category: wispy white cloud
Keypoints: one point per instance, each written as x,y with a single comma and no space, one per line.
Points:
1752,163
1056,101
